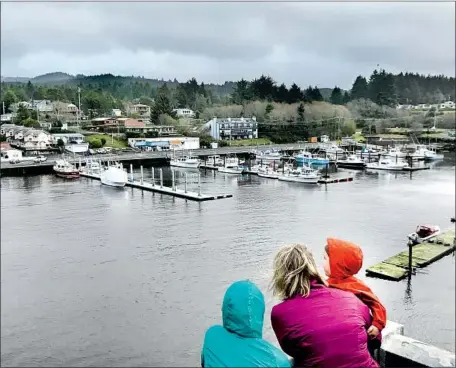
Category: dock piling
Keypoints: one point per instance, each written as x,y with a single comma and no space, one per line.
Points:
185,183
131,173
80,164
410,258
199,184
161,178
153,177
142,175
173,181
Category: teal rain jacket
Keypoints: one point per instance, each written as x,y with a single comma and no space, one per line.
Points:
239,342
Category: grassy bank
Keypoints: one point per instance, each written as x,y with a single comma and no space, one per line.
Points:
250,142
114,143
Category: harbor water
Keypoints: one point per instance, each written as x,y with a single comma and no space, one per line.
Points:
100,276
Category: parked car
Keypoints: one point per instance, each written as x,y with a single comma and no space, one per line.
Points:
15,161
39,159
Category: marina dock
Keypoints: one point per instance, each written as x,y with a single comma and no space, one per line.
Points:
396,267
161,189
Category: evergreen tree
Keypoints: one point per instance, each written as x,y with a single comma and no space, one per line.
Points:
295,94
337,98
359,89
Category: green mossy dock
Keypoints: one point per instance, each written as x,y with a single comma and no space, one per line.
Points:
396,267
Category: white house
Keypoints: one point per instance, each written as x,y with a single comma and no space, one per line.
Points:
139,109
116,113
233,128
447,105
42,105
184,113
35,139
7,129
6,118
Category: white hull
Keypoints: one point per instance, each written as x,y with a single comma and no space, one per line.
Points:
386,168
270,175
434,157
186,165
299,179
268,158
114,177
231,170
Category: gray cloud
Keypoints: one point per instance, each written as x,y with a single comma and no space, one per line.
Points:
307,43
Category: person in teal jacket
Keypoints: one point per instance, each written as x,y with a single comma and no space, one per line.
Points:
239,342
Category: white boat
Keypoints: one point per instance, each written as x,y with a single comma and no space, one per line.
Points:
267,172
270,155
423,233
351,162
64,169
333,149
212,161
232,169
395,153
93,167
388,164
114,176
304,175
190,162
431,155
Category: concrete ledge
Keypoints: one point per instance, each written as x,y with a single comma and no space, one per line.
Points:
398,350
402,351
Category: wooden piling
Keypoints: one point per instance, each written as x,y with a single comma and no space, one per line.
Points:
142,175
161,178
153,177
185,183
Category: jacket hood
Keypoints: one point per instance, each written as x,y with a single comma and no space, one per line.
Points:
345,258
243,309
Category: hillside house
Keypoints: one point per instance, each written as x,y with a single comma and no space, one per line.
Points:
184,113
139,109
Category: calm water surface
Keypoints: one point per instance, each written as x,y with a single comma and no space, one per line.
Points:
97,276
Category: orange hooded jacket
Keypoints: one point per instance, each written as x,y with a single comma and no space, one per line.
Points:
345,261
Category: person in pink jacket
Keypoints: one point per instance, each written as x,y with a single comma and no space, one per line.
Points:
316,325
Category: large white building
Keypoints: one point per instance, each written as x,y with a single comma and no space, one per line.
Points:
172,143
233,128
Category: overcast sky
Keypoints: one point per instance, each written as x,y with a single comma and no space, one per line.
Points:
322,44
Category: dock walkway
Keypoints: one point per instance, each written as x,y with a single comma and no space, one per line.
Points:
159,188
396,267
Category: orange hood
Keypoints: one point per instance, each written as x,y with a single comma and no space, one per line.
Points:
345,258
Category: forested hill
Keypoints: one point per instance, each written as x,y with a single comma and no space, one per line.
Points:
108,90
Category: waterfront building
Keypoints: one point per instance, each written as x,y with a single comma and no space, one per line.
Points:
172,143
232,128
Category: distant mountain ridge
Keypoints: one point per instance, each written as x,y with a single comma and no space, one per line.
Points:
55,77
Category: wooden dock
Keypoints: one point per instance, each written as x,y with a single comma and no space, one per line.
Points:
396,267
160,188
335,179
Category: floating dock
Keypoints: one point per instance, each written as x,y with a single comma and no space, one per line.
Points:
160,188
396,267
340,179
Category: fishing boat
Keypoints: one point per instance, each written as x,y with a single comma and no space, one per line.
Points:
213,161
232,169
189,162
269,155
114,176
388,164
395,153
92,167
423,233
64,169
304,175
351,162
431,155
306,159
267,172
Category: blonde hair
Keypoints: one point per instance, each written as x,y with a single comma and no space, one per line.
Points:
294,269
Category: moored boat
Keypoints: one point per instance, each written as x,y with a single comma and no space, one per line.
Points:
306,159
64,169
351,162
305,175
232,169
189,162
267,172
388,164
114,176
423,233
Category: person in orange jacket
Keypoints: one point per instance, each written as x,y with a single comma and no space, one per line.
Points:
343,260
